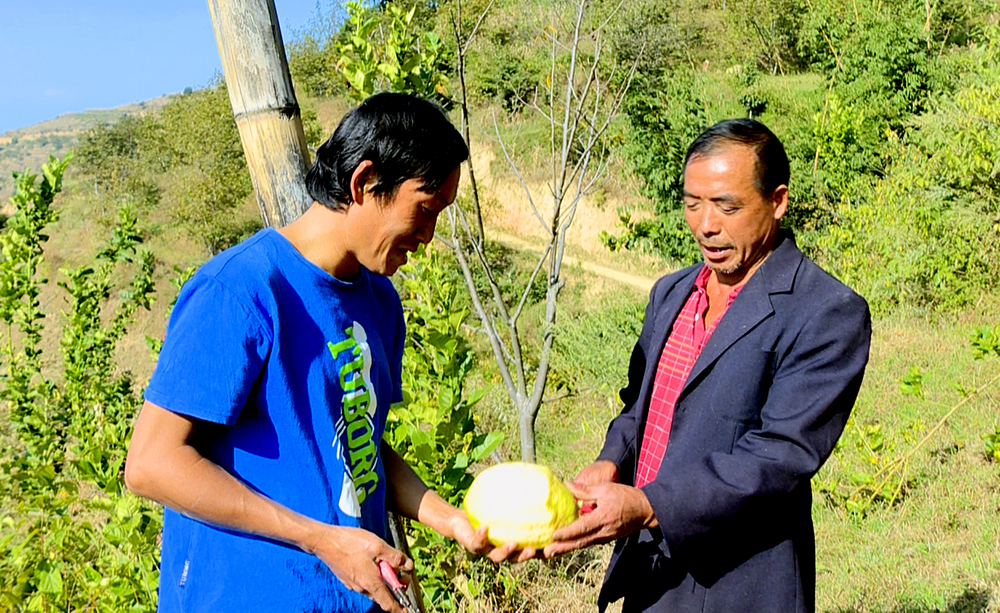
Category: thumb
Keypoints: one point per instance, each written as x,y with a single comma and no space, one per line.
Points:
397,559
580,491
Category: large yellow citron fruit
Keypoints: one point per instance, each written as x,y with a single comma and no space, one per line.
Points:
519,502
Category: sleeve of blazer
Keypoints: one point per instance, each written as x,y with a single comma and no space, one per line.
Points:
619,444
815,383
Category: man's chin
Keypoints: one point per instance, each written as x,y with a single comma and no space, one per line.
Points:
720,269
390,266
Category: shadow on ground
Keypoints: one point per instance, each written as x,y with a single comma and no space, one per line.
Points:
973,600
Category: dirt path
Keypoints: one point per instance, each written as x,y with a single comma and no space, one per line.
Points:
513,224
641,283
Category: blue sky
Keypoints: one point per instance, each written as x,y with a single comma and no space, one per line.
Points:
62,56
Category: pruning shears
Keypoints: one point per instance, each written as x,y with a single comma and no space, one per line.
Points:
396,586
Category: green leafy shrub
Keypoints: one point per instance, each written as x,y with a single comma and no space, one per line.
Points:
120,161
664,113
434,428
767,32
209,180
386,52
73,539
312,62
927,233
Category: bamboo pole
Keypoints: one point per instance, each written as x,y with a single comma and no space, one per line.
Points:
270,125
263,100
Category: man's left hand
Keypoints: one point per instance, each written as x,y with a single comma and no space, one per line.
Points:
618,510
476,541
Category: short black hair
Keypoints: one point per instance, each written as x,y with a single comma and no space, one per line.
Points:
404,136
772,161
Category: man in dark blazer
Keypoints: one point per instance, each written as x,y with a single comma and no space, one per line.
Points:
739,386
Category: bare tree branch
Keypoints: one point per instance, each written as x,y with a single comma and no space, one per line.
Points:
524,184
531,282
479,22
494,339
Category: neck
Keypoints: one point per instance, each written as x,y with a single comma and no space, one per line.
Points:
728,282
320,236
739,278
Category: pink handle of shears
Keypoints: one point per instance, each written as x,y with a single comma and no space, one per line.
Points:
389,575
587,507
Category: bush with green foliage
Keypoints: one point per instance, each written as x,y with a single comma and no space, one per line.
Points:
120,160
766,32
928,232
384,51
878,55
74,539
312,63
209,180
187,157
507,65
665,113
434,428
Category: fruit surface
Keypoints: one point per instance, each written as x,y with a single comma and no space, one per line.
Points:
519,502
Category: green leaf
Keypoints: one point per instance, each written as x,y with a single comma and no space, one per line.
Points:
51,582
474,397
484,449
446,397
912,383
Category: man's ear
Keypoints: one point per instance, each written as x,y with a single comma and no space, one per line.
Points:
779,199
360,178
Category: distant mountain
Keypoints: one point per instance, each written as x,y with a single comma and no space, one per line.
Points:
30,147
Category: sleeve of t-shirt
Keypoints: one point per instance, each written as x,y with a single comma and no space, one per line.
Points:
396,361
214,349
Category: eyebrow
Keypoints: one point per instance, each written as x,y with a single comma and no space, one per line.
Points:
722,198
438,204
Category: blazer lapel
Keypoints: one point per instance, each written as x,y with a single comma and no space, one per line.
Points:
751,306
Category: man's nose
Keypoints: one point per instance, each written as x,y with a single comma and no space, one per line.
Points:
708,221
426,231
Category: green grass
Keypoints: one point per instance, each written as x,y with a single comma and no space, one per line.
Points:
938,549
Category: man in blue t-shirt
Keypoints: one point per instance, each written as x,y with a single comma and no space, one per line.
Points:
261,431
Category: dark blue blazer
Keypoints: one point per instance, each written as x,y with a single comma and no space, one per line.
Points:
761,411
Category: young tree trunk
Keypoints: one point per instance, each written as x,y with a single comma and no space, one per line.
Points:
527,431
579,102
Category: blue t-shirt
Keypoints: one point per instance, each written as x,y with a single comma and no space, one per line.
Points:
299,368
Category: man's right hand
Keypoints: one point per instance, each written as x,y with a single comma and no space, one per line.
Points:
353,555
601,471
164,466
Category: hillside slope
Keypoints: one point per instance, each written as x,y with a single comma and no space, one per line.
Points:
31,146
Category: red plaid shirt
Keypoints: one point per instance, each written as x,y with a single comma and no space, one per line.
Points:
687,338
